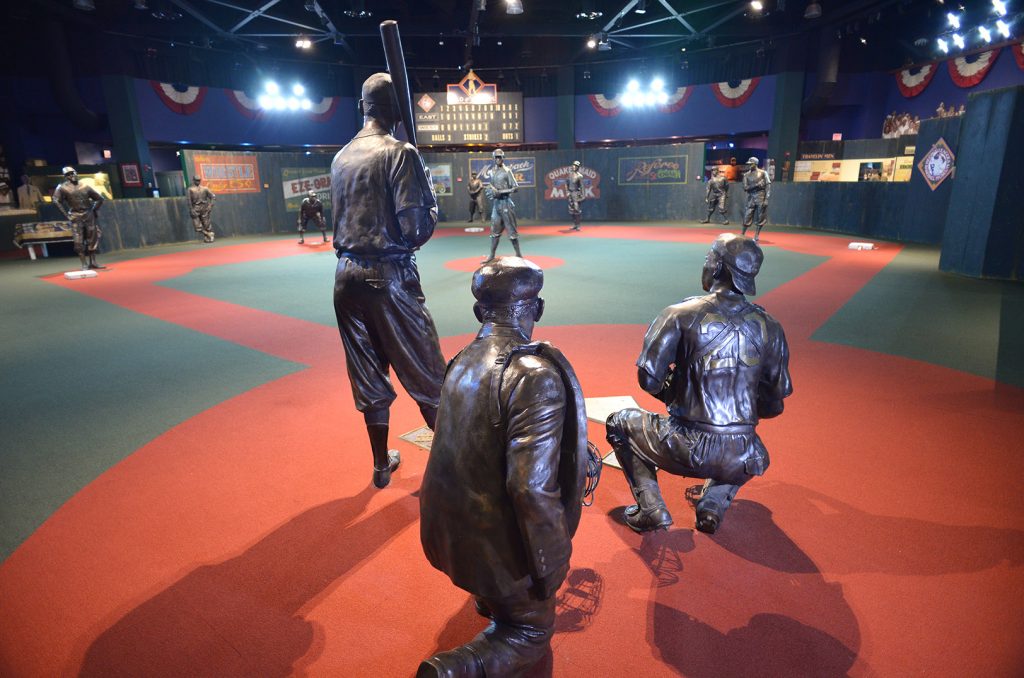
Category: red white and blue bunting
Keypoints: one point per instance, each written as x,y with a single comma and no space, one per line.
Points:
734,95
968,71
323,110
179,98
244,104
1018,54
611,106
912,81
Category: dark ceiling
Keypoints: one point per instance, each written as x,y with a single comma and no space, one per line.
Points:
710,38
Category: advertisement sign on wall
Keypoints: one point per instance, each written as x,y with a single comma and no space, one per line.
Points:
227,172
525,170
441,177
660,170
296,181
555,182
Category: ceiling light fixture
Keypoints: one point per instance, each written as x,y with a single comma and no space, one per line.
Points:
756,5
813,10
641,7
592,42
513,6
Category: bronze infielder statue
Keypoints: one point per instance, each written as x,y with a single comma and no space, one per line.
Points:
475,187
501,494
311,209
575,194
80,205
720,363
384,209
759,188
715,196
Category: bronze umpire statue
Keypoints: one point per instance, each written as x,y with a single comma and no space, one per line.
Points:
719,363
384,209
758,188
311,209
501,493
576,195
716,195
80,205
503,210
200,205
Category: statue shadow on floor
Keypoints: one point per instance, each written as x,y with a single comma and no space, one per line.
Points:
241,617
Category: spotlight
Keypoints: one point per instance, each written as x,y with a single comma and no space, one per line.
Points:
306,104
264,101
272,87
592,42
641,7
303,43
999,7
293,104
954,20
944,46
603,45
756,5
813,10
958,40
633,86
588,11
657,84
513,6
1003,28
986,35
863,41
298,90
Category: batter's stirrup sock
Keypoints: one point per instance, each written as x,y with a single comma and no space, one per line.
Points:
515,245
429,415
494,247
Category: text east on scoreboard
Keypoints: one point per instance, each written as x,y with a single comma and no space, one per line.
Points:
470,112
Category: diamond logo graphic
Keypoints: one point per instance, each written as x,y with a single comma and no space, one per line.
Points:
426,103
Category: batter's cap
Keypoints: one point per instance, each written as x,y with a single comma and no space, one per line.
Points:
498,152
753,161
743,257
69,170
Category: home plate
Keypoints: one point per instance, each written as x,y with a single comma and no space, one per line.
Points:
421,437
78,275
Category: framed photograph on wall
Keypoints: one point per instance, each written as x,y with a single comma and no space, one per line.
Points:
130,175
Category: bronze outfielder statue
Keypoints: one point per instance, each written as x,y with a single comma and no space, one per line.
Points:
575,194
475,187
80,205
200,201
384,209
503,210
311,209
720,363
501,493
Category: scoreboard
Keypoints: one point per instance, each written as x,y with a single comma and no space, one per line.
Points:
441,123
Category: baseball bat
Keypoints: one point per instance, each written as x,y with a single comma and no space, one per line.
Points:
399,78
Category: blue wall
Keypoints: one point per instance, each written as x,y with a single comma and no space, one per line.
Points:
217,121
540,120
702,115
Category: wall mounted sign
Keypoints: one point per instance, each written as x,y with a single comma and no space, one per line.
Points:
525,170
659,170
296,181
556,180
937,164
227,172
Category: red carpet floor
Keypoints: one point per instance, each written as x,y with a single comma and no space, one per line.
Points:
886,539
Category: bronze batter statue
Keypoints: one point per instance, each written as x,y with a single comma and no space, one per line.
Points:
200,202
715,196
311,209
503,210
501,493
384,209
80,205
576,195
758,188
476,198
720,363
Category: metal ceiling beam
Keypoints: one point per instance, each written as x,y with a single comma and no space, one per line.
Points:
196,14
246,10
253,15
619,15
677,16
